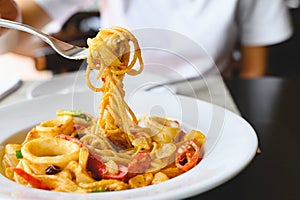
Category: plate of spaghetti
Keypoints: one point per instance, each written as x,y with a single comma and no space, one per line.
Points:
145,146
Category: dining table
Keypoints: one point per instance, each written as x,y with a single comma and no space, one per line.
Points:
271,106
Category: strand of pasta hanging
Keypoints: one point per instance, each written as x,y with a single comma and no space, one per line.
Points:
110,54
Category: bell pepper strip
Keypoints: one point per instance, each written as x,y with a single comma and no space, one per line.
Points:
140,162
34,182
94,164
188,155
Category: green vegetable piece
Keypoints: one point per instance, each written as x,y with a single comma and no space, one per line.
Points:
19,154
74,113
95,191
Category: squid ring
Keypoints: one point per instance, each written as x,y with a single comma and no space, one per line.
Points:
50,151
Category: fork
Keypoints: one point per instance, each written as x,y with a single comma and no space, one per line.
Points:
64,49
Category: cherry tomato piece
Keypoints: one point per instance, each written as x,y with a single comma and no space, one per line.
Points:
95,165
140,162
122,172
99,169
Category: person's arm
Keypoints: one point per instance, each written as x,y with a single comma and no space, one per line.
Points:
9,11
260,25
254,61
35,16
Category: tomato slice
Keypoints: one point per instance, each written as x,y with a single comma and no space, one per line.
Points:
122,172
95,165
100,171
188,155
140,162
36,183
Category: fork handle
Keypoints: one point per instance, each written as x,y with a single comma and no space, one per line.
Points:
23,27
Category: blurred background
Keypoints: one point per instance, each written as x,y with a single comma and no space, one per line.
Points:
283,58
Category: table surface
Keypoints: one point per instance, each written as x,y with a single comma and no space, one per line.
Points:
271,106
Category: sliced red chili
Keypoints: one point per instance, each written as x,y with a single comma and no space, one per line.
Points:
140,162
188,155
34,182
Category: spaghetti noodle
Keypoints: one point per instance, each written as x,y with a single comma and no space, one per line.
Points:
110,54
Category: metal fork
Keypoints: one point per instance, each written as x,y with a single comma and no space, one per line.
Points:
64,49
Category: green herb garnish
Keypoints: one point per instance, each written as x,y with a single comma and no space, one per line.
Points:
94,191
19,154
74,113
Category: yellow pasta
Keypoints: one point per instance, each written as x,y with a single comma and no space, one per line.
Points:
109,54
76,152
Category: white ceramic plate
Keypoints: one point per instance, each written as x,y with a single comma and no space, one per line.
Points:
75,82
231,142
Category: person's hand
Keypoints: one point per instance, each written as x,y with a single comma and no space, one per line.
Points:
8,38
8,10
